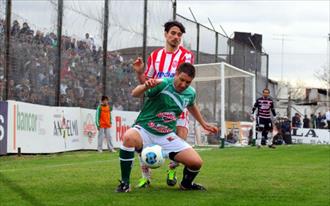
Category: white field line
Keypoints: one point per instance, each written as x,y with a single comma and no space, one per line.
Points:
57,165
72,164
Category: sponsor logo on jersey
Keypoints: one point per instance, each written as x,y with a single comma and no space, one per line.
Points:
165,74
160,128
167,116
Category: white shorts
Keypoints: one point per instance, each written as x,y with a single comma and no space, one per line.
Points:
169,143
183,120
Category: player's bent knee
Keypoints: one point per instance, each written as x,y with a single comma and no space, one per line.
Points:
131,138
195,164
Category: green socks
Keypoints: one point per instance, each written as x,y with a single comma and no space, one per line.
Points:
126,157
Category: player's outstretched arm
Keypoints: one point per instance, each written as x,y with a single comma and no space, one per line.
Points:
140,89
138,66
198,116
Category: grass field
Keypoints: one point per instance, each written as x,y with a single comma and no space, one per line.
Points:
288,175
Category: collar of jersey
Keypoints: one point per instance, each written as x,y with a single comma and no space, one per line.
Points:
174,52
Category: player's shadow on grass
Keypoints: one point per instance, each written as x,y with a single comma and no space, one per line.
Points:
19,190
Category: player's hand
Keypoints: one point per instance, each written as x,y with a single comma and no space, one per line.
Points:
150,83
252,117
138,65
211,128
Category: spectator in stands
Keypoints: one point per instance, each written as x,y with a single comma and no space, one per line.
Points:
25,30
35,60
313,121
15,29
1,89
89,41
2,27
11,89
319,121
296,122
286,130
38,38
327,117
306,122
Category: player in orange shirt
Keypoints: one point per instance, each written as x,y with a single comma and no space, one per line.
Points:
103,123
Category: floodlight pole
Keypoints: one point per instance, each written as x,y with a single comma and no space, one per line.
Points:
144,42
223,123
105,45
58,50
328,80
7,47
253,101
174,9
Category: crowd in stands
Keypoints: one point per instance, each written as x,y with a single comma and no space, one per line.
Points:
33,74
315,121
318,121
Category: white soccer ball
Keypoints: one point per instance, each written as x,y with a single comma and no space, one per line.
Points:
152,156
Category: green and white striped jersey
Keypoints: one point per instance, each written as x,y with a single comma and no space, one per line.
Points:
162,107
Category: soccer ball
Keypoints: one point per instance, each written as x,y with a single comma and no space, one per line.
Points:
152,156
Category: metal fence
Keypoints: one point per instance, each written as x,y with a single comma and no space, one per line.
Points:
98,42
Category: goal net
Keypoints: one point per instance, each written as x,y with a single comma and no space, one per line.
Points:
225,96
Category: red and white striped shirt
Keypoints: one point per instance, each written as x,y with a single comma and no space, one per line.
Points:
164,64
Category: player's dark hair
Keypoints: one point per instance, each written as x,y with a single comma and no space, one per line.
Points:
104,98
187,68
168,25
266,89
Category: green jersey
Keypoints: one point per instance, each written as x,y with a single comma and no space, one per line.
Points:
163,106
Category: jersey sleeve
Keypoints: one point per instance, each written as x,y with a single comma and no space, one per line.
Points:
157,89
150,70
273,109
189,58
97,116
254,107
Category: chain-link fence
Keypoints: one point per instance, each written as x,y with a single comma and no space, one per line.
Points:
2,47
74,70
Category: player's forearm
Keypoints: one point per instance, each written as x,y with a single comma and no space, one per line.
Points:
141,77
197,114
139,90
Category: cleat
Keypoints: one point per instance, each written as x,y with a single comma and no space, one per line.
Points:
143,183
193,186
171,177
123,187
272,146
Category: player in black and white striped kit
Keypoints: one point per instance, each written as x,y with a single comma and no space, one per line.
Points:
265,106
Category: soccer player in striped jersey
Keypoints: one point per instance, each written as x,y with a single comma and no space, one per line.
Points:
163,63
265,106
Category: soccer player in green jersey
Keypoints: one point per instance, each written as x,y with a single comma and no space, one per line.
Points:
156,124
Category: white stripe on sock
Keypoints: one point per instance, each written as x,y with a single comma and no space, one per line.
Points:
190,170
129,149
121,159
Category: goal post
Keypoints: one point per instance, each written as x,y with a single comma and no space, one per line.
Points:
225,96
